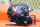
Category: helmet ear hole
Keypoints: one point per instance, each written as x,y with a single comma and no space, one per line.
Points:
23,8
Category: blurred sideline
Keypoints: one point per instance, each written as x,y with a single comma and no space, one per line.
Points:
4,16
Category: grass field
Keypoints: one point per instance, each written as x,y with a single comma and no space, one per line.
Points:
35,4
31,3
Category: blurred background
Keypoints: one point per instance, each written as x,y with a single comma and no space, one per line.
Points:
34,4
5,4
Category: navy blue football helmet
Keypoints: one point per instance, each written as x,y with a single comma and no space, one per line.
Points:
21,18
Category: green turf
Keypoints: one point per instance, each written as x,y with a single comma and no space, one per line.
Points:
31,3
35,4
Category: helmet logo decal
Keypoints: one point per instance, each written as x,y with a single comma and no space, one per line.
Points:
15,9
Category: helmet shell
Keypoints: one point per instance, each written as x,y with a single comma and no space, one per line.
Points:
22,8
